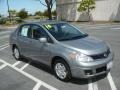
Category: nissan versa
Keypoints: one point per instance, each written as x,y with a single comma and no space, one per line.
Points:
63,47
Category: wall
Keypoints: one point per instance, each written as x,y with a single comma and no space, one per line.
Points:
106,10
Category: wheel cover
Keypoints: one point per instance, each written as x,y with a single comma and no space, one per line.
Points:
60,70
16,53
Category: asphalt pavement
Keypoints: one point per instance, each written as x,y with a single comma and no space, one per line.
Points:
29,75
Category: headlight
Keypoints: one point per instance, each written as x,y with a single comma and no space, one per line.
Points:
83,58
80,57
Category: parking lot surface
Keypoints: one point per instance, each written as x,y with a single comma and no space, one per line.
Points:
29,75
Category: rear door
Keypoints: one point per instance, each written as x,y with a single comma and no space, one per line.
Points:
24,41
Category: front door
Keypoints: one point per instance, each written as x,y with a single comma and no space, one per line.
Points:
40,51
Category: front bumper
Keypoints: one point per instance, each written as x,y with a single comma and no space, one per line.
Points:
91,69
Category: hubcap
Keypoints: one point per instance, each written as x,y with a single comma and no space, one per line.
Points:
60,70
16,53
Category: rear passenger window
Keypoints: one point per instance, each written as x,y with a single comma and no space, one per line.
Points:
24,30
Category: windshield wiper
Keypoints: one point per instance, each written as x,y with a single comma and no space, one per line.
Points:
75,37
64,39
79,37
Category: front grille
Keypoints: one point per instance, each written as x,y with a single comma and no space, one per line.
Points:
98,70
102,55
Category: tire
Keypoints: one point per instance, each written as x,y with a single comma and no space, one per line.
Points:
16,53
62,70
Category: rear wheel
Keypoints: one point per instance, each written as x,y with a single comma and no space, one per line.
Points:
16,53
62,70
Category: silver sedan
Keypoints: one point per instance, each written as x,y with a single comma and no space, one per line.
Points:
68,51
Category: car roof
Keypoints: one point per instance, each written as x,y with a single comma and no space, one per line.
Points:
44,22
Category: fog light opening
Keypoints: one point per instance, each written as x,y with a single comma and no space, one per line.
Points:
88,72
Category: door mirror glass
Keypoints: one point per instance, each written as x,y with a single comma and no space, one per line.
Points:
43,40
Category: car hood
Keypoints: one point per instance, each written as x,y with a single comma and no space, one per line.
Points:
88,45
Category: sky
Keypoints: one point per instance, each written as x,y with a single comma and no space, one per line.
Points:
30,5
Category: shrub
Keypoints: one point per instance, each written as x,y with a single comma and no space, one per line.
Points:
23,14
8,23
2,21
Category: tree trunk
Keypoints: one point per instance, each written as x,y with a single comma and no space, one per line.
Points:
49,13
8,10
88,14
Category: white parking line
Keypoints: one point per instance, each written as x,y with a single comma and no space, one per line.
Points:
112,84
92,85
5,36
29,76
5,32
37,86
22,68
95,86
15,64
4,47
2,66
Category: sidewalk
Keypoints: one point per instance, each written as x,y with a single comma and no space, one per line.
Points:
78,23
96,22
3,27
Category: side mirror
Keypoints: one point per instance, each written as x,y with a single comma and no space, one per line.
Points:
43,40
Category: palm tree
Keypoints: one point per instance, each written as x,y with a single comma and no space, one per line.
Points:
0,4
8,10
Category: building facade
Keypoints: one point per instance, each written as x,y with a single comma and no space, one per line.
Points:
105,10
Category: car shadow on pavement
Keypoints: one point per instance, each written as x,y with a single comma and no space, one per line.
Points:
38,65
42,66
79,81
99,77
82,81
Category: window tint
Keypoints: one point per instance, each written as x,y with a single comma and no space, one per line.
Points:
37,32
24,30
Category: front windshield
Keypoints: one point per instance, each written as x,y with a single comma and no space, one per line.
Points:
64,31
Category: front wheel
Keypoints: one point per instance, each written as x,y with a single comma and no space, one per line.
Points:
62,70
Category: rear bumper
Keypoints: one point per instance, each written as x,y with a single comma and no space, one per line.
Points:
91,69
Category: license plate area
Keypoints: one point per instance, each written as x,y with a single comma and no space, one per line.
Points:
109,65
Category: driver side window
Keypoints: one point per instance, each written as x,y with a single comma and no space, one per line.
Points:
37,32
